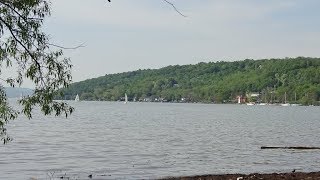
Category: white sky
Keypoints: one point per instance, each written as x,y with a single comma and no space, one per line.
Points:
127,35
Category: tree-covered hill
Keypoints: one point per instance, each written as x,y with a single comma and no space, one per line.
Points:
218,82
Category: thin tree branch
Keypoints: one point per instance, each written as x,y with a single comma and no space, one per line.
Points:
171,4
4,80
174,7
62,47
24,47
14,36
19,15
50,44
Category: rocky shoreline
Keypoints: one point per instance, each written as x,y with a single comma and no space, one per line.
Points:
274,176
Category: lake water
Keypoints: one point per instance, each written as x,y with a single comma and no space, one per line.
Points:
112,140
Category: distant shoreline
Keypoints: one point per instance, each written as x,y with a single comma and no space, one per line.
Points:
283,81
172,102
273,176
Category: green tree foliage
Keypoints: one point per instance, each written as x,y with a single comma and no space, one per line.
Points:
218,82
26,48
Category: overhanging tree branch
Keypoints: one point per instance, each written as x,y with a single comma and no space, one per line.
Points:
24,47
175,8
20,15
22,41
63,47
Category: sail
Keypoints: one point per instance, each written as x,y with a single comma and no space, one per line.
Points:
125,98
77,98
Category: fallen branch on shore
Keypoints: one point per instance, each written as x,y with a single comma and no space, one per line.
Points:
289,147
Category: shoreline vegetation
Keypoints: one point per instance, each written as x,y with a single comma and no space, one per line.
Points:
254,176
289,81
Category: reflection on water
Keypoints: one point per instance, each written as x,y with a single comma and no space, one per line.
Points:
149,140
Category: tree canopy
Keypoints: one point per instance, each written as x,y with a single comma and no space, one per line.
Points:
217,82
27,49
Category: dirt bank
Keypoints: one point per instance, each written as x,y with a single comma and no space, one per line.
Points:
275,176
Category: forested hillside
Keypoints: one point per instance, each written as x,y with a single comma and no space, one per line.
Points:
217,82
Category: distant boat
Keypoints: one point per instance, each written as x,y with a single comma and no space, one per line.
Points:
77,98
250,103
125,98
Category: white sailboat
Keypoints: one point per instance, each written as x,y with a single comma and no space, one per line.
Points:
125,98
77,98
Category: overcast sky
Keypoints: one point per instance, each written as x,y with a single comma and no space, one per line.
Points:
127,35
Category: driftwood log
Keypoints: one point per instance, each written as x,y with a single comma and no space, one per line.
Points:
289,147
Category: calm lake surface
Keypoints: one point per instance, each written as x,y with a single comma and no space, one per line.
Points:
112,140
